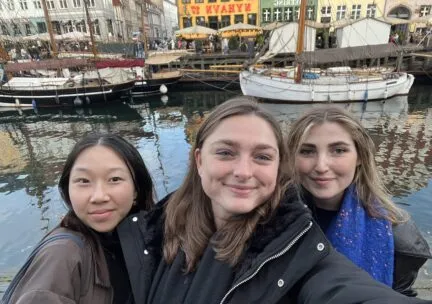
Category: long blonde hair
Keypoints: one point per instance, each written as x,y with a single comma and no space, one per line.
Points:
369,185
189,222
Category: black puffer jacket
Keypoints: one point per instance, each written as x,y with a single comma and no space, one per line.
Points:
288,260
411,252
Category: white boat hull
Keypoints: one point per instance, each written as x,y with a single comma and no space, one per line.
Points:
324,89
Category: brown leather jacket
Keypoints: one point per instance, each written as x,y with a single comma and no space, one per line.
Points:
62,272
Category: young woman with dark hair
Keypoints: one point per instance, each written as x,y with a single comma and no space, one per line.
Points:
104,180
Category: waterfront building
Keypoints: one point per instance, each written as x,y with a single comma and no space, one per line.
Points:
155,27
25,17
418,12
170,17
334,10
217,13
285,10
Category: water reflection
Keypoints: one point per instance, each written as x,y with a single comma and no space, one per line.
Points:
34,146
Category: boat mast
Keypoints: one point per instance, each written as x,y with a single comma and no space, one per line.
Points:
144,35
50,29
300,39
89,22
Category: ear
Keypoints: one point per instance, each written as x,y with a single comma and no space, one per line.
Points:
198,160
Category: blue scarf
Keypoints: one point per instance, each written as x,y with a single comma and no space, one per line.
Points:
366,241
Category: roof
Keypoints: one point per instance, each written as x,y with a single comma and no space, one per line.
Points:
350,53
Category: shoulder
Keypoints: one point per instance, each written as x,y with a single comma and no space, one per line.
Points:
408,240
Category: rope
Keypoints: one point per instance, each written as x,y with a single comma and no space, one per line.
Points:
211,85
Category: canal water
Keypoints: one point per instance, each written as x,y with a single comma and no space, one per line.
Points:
34,145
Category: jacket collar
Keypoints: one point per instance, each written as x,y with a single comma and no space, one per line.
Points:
284,224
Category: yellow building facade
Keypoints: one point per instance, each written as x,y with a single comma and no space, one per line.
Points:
333,10
217,13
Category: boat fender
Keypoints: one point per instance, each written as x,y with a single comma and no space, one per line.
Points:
385,94
313,95
77,101
88,101
164,99
33,104
163,89
17,102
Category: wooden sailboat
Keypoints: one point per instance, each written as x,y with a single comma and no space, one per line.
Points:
82,88
335,84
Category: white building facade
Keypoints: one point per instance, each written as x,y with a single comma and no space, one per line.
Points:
171,18
112,20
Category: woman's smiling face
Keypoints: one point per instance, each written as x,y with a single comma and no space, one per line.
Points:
238,165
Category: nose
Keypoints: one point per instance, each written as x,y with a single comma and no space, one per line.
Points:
243,168
99,194
322,163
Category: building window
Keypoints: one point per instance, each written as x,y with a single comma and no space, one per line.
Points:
67,27
76,3
238,18
252,19
310,13
371,10
63,4
326,14
288,14
37,4
50,4
211,1
277,14
266,14
425,10
16,30
11,5
187,22
4,29
355,11
199,1
225,20
340,12
110,26
186,1
296,13
81,26
27,29
96,27
213,22
91,3
41,27
200,20
23,4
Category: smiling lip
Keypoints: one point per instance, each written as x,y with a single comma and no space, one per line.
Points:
241,190
101,215
322,181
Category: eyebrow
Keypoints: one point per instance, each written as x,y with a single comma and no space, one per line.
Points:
83,169
235,144
338,143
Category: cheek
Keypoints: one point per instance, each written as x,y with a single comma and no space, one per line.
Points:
302,166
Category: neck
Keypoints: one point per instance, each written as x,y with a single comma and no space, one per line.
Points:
219,222
332,204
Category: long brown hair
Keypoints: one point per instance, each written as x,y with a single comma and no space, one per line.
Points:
369,185
189,222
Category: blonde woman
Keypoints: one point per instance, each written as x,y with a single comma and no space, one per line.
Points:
333,164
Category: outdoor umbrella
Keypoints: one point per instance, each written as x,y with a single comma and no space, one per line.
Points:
196,32
240,29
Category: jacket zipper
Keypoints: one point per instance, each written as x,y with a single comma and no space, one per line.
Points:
288,247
